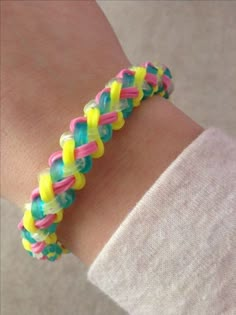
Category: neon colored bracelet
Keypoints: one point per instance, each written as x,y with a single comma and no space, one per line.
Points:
85,141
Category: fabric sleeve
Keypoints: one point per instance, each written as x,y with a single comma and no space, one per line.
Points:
174,252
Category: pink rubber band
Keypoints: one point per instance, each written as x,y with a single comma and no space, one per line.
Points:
80,152
107,118
124,71
151,79
38,247
166,82
45,222
20,225
58,187
129,92
43,258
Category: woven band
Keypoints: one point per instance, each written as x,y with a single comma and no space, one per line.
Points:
57,184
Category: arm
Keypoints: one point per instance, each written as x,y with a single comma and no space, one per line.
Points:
47,64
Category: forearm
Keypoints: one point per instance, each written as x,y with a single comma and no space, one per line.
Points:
153,137
50,69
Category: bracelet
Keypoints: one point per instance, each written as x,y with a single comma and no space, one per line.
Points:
85,141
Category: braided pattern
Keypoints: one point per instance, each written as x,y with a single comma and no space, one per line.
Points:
84,141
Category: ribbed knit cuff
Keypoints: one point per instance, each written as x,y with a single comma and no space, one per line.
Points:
173,252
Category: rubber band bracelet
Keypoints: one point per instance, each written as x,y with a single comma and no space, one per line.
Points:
84,141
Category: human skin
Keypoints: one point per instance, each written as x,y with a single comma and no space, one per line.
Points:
56,56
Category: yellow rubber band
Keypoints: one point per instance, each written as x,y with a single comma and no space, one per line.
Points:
51,239
28,222
162,93
115,93
119,123
68,155
140,73
80,181
59,216
45,186
93,116
26,244
160,71
51,255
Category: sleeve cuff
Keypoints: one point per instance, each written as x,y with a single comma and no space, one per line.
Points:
169,254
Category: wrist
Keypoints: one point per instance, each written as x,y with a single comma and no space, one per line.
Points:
152,138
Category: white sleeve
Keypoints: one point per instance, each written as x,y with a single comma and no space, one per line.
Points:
173,253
